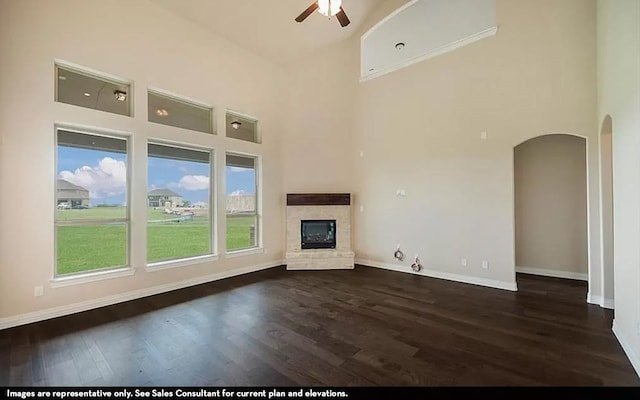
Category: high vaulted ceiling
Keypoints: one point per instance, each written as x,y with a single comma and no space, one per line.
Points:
267,27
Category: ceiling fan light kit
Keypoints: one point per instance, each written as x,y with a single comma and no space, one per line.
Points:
328,8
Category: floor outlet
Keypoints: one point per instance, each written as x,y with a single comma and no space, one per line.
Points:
485,265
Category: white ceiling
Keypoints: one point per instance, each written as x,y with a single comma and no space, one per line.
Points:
267,27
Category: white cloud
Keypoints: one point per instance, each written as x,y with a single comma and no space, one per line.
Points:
238,193
194,182
239,169
108,178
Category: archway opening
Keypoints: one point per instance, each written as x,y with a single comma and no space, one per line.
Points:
550,182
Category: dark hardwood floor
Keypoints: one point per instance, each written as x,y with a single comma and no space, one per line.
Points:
362,327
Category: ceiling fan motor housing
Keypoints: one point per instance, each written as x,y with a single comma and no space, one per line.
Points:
328,8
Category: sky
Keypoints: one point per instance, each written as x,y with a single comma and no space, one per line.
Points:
104,174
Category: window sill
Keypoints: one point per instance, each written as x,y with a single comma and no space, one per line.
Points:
245,252
91,277
163,265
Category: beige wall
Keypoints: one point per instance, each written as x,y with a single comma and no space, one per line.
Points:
551,204
419,129
318,141
606,172
619,97
139,41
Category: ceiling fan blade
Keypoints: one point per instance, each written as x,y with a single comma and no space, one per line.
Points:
307,12
342,17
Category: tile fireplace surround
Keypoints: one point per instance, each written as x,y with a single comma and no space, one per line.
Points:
319,206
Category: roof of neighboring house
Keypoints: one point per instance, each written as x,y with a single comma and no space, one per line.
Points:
163,192
66,185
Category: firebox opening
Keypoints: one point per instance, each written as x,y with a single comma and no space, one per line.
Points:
318,234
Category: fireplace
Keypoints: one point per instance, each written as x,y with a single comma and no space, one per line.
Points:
318,234
319,231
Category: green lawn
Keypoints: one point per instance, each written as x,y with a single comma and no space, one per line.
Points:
84,248
92,213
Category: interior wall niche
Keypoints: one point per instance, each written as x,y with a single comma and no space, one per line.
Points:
422,29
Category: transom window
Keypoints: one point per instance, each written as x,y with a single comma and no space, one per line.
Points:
173,111
85,89
242,127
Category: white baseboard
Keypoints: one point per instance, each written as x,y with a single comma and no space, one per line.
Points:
633,357
512,286
55,312
553,273
608,303
600,301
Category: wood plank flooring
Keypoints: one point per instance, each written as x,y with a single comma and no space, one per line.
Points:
362,327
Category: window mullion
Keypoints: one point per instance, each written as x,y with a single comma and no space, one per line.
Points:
92,222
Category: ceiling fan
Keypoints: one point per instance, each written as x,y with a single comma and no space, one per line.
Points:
328,8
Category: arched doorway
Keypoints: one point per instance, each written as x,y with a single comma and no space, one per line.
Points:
550,187
606,201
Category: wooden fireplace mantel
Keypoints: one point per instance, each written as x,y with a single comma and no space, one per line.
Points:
318,199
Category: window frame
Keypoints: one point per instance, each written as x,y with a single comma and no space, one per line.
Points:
246,117
98,75
104,272
258,205
213,231
186,100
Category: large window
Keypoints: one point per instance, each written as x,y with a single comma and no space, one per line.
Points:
172,111
92,219
87,90
178,200
242,202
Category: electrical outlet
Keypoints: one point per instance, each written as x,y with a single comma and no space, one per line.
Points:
483,135
38,291
485,265
361,208
463,262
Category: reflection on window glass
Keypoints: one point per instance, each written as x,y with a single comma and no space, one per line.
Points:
89,91
178,196
242,217
243,128
167,110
